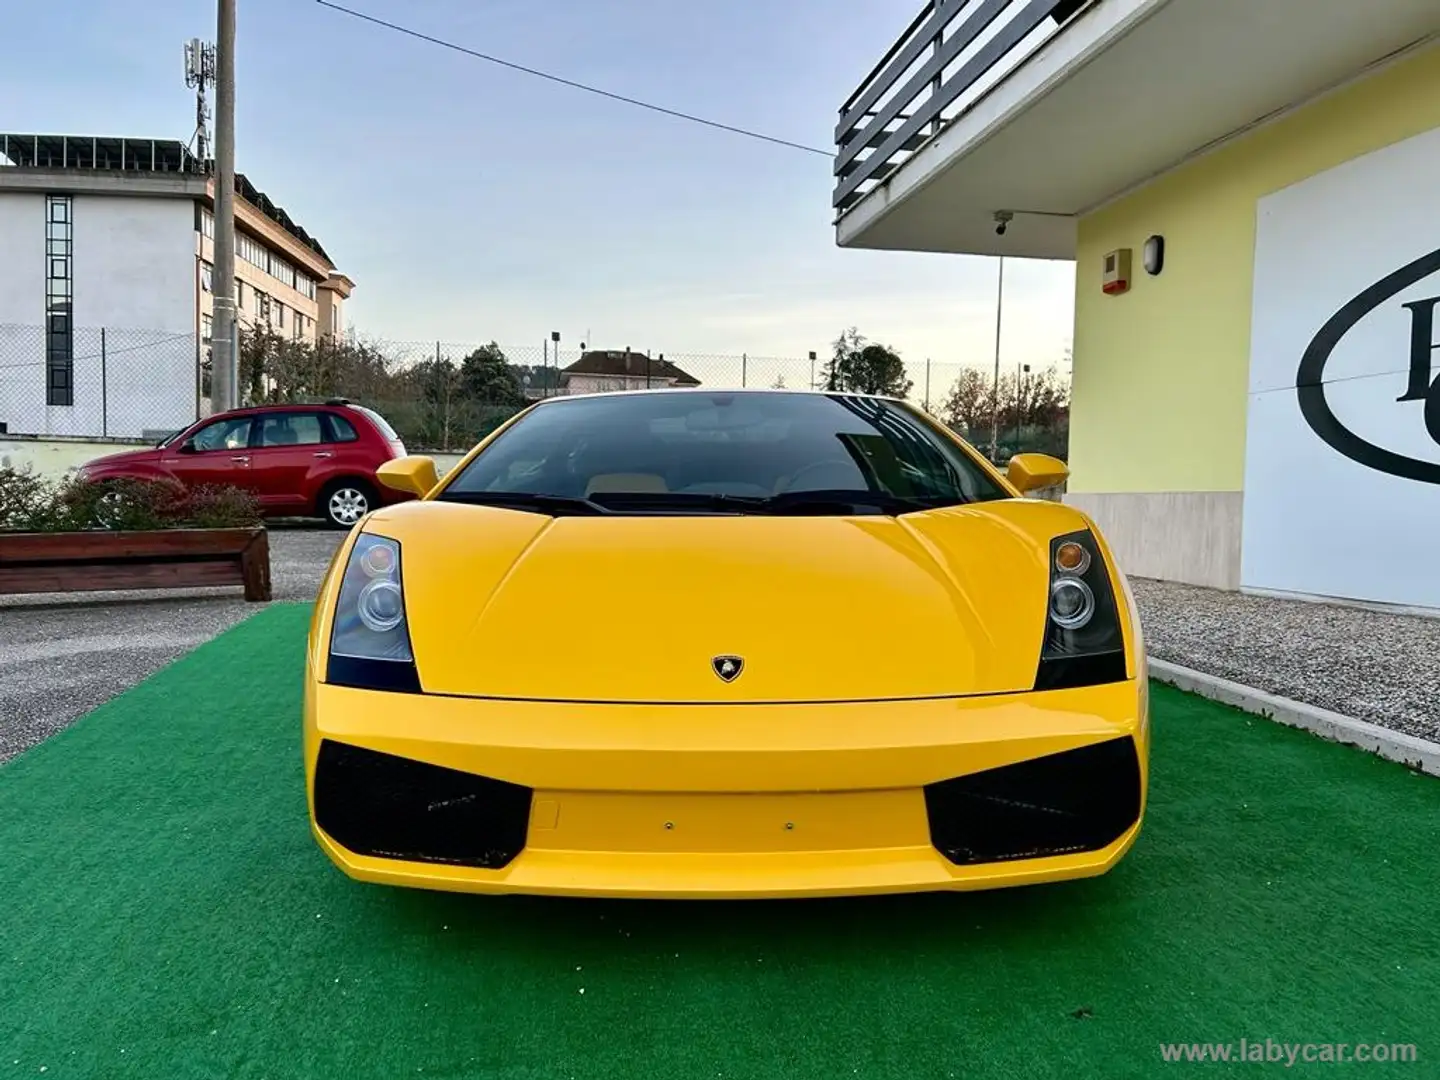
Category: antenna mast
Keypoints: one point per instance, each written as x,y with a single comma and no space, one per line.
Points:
199,74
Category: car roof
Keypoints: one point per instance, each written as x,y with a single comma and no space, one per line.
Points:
290,406
703,390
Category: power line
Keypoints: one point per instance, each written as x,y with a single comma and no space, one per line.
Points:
570,82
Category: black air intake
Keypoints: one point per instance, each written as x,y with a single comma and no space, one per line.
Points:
394,808
1079,800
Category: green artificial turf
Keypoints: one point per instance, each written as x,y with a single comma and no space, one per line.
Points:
165,913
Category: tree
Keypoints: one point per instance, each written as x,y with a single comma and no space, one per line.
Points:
779,383
967,407
274,368
434,386
487,378
862,367
537,376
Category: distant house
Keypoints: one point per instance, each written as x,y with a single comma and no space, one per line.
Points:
599,371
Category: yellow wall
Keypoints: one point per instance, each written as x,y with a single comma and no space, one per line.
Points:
1161,372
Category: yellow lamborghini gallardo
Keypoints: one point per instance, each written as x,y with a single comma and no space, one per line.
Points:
685,643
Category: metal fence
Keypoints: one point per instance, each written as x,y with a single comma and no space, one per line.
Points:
97,382
132,384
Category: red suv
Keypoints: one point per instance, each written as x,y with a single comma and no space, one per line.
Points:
299,460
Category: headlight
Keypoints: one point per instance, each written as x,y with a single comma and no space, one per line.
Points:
1083,644
370,642
1072,604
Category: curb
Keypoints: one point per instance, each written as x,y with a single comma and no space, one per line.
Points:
1408,750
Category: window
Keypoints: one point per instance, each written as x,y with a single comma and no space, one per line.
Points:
207,277
233,434
252,251
240,294
290,429
379,421
279,314
306,285
207,328
59,301
262,306
757,445
342,429
282,270
207,224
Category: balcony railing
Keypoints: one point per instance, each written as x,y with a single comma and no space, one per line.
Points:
931,75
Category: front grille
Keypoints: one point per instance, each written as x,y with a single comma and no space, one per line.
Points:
394,808
1079,800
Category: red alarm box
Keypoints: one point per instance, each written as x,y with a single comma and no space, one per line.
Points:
1117,272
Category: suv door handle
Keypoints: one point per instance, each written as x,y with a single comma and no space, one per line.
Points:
324,453
242,459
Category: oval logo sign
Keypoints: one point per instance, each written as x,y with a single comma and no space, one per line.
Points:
1420,389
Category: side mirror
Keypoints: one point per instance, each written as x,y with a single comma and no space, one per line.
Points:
413,475
186,447
1031,472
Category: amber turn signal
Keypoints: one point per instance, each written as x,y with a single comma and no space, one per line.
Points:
1071,558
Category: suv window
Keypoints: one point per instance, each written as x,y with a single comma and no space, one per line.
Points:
290,429
379,421
341,429
755,447
231,434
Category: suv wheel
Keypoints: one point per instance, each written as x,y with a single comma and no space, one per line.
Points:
345,502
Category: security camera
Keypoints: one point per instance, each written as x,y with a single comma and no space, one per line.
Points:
1002,221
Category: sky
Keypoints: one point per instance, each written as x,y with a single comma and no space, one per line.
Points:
472,203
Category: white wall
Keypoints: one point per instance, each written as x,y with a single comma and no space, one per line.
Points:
1345,501
134,275
22,259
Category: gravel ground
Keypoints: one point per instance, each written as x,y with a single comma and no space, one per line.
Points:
1369,665
62,655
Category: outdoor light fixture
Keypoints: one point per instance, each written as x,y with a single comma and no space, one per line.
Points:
1153,256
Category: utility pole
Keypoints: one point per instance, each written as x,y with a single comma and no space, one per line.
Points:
995,391
223,384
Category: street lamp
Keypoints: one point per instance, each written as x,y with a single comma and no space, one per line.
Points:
555,337
1021,372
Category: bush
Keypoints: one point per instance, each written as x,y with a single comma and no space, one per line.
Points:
31,504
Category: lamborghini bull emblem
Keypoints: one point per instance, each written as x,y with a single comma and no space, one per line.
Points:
727,667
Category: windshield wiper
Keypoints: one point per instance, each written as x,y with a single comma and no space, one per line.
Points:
845,501
682,501
552,505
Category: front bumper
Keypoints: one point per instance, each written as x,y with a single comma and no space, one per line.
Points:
726,801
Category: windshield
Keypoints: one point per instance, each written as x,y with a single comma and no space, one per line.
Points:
740,452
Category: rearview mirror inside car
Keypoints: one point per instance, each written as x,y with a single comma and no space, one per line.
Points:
413,475
1032,472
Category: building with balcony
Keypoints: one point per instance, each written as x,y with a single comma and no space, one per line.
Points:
106,278
1250,193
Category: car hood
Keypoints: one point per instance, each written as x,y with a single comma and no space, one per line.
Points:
147,456
504,603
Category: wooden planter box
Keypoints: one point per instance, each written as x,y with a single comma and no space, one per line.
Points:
114,561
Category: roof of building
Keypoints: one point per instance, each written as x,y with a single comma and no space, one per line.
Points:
115,154
625,362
